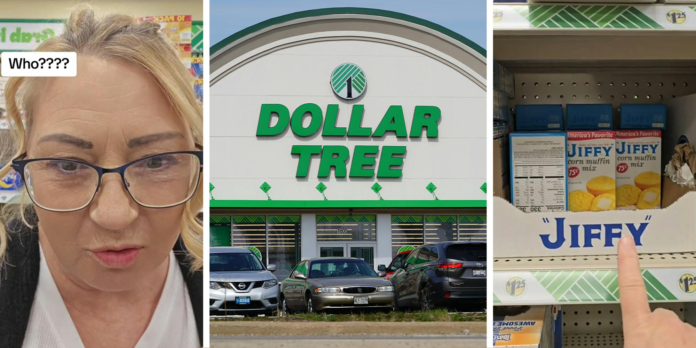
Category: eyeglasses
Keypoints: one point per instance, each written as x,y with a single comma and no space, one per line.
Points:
64,185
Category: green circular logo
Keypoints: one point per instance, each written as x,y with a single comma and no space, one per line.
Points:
256,252
404,248
348,81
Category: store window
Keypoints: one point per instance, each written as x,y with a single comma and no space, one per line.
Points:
472,227
249,231
440,228
284,243
220,231
346,228
407,232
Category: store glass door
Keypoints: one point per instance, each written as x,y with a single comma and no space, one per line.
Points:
332,250
365,252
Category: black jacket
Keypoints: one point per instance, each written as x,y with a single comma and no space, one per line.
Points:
19,278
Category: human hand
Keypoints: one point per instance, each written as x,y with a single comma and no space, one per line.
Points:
641,327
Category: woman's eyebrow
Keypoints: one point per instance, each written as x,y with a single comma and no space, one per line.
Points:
67,139
147,139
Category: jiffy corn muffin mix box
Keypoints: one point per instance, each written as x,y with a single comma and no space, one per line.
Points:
638,168
591,170
538,162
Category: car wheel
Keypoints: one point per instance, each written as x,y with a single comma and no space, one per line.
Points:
395,306
284,310
310,305
426,300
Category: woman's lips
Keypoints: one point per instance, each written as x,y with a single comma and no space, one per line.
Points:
117,258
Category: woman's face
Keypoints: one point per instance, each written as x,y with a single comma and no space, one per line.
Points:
112,113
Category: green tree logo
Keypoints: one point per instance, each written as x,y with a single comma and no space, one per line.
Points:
348,81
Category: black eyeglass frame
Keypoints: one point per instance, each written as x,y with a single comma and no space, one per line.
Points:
18,164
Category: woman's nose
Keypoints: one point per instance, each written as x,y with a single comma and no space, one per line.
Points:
113,208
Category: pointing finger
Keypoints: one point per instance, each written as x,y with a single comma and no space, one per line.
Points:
634,297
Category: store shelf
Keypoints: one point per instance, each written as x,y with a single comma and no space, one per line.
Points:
597,17
593,340
531,34
588,279
564,274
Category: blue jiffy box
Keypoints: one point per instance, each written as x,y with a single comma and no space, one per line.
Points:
643,116
589,117
539,117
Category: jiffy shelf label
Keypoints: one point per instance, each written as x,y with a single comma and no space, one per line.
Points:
583,235
638,168
550,234
591,171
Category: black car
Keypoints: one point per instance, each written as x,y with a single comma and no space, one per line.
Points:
450,274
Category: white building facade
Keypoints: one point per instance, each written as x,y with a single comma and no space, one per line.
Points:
346,132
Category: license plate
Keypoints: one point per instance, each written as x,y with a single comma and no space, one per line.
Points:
242,300
360,300
479,273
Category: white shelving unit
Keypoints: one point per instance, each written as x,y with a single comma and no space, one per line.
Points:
615,54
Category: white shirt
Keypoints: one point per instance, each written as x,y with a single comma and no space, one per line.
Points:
172,325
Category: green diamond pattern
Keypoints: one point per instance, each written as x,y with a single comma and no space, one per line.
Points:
441,218
219,219
321,187
265,187
197,36
586,17
595,286
249,219
472,219
284,219
407,218
376,187
345,218
496,299
431,187
483,188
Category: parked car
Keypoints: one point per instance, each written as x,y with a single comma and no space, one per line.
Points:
394,265
239,282
449,274
334,283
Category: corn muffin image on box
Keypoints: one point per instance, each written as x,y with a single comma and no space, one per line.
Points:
591,170
638,168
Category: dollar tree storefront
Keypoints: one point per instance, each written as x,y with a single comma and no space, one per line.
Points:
346,132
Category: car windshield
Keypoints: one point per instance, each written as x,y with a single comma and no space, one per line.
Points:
235,262
467,252
340,268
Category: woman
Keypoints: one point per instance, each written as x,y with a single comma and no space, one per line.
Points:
109,253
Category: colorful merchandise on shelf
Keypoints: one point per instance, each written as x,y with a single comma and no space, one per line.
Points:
589,117
176,28
638,168
591,170
643,116
523,326
539,117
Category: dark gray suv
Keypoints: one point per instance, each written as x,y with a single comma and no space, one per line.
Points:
449,274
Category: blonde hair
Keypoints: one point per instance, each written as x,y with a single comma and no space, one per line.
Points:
122,37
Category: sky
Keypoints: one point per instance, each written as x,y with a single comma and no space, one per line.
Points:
467,18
